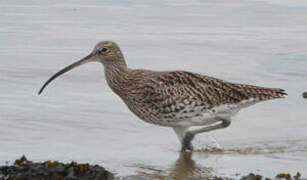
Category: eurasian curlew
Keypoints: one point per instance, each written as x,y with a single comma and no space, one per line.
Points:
176,99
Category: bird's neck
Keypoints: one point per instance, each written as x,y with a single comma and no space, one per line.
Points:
117,76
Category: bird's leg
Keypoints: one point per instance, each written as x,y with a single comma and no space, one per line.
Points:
181,133
224,123
187,141
189,135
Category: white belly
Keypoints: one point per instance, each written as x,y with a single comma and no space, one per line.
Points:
198,116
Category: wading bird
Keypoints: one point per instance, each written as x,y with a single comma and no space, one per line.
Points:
176,99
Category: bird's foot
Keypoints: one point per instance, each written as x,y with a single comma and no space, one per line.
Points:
187,141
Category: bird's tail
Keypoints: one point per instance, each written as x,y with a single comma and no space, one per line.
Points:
261,93
277,93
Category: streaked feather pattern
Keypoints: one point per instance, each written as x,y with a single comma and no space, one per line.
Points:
171,97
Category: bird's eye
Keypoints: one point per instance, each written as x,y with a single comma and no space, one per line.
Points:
103,50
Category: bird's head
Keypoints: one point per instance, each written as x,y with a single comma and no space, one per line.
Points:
106,52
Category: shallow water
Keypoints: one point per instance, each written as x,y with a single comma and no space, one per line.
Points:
79,118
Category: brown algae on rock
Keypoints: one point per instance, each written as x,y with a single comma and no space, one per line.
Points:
297,176
20,161
284,176
252,176
51,170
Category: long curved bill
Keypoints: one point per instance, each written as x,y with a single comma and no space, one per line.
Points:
68,68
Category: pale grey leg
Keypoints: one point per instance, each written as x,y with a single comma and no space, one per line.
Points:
180,132
189,135
186,143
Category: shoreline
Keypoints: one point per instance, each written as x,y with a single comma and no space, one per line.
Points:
25,169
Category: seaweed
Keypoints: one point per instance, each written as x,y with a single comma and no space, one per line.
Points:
23,169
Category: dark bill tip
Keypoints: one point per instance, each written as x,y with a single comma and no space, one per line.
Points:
68,68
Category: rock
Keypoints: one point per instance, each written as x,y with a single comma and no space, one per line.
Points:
304,94
297,176
252,176
50,170
283,176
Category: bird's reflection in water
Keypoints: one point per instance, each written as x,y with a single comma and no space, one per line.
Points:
184,168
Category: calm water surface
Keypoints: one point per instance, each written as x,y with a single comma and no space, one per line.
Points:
79,118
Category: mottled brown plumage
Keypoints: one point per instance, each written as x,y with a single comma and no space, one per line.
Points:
176,99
